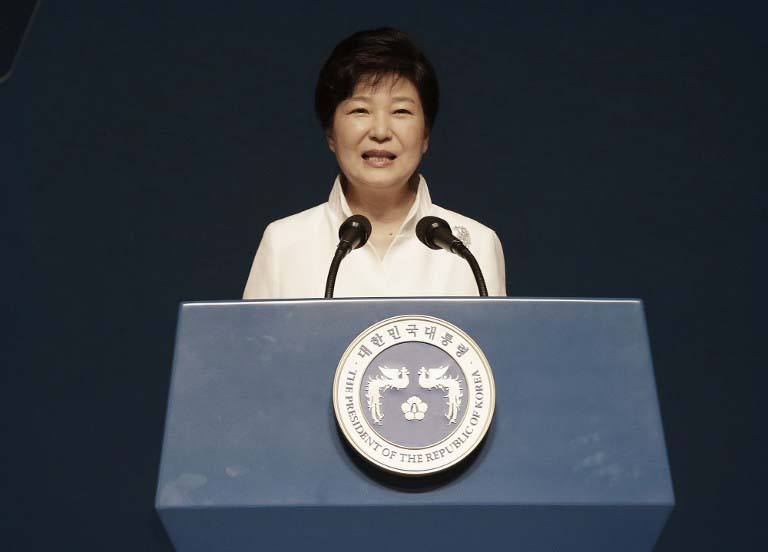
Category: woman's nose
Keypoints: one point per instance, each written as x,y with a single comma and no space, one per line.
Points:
380,127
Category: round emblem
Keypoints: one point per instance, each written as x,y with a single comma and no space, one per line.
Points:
414,395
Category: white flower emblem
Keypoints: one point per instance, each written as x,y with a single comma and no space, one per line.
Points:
414,408
462,233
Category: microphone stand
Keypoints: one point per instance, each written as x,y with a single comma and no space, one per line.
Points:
353,233
464,252
330,282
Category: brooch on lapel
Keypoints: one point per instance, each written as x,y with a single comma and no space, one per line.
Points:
462,233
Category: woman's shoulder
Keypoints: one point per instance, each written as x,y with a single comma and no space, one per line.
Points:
298,223
484,244
464,227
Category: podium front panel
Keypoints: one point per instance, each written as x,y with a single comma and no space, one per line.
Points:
574,459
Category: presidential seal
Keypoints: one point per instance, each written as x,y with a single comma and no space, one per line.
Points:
413,395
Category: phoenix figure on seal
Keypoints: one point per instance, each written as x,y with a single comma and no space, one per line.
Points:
436,378
390,377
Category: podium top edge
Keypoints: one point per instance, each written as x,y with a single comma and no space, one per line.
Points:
452,299
667,503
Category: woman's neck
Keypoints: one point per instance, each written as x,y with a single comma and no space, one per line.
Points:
387,207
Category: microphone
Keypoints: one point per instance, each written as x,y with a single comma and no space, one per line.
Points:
353,233
435,233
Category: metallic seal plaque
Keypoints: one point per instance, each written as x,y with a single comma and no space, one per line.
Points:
413,395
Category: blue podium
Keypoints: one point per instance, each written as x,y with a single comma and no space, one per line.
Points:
253,459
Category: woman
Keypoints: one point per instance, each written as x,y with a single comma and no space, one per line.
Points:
377,98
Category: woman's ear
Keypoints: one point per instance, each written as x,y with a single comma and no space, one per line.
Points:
425,143
331,140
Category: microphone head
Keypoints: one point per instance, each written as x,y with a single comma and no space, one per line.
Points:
425,230
357,226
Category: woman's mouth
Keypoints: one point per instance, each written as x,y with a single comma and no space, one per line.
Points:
378,158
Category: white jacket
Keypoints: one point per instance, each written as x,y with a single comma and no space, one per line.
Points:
295,252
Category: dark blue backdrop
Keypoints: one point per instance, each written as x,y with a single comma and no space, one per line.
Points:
618,152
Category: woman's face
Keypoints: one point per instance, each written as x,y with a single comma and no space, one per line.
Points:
379,135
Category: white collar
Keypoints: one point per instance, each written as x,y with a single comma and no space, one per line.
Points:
337,202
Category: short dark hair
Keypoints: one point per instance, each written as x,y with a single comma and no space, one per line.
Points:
371,56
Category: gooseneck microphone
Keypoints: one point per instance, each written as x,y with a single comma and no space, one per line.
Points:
353,233
435,233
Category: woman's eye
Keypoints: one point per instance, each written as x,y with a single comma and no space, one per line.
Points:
359,110
403,111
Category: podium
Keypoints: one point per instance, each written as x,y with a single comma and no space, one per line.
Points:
253,459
